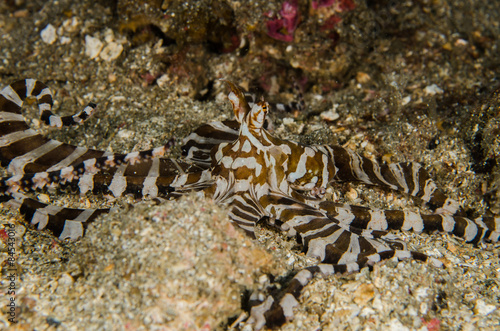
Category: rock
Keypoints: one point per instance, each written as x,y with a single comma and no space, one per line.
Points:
111,52
432,90
329,115
93,47
482,308
49,35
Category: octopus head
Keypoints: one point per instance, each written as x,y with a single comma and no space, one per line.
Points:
253,117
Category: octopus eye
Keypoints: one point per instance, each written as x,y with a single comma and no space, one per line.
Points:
264,107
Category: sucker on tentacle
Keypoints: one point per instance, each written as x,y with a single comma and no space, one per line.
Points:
238,163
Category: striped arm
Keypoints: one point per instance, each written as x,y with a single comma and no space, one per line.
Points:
172,186
245,213
151,177
38,180
23,149
472,230
13,96
323,237
64,223
276,309
407,177
198,145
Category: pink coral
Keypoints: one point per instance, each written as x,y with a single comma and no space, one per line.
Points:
282,28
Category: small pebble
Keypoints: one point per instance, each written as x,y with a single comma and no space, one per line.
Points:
362,77
329,115
111,52
49,35
461,42
109,36
405,100
125,134
483,309
93,47
432,90
65,40
352,194
44,198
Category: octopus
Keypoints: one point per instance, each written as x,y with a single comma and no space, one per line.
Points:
239,164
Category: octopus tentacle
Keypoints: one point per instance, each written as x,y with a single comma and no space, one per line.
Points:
22,149
198,145
472,230
64,223
323,237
